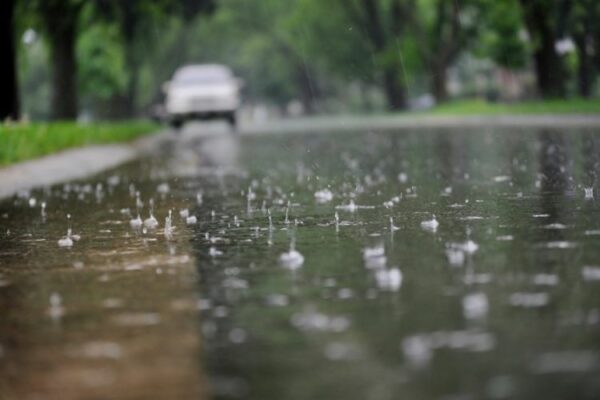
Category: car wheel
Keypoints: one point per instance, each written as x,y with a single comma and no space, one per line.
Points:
176,124
232,121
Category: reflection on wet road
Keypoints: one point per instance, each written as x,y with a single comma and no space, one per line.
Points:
446,264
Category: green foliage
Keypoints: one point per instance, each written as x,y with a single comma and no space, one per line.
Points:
102,72
262,41
501,39
20,142
335,41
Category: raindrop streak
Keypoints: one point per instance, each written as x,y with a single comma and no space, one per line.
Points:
151,222
67,241
287,211
168,232
270,219
136,223
56,310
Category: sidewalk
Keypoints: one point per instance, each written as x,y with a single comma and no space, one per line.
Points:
72,164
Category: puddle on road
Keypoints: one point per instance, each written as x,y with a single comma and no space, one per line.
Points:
113,314
356,266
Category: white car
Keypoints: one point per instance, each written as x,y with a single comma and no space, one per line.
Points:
203,91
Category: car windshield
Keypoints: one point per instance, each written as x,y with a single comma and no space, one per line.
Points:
201,76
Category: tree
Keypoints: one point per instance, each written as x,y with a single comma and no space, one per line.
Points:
262,39
188,10
9,99
101,69
542,19
447,28
385,24
501,39
361,41
135,19
129,15
584,26
60,21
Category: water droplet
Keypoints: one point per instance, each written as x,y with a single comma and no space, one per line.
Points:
545,279
291,259
430,225
323,196
475,305
213,252
590,273
237,335
523,299
389,279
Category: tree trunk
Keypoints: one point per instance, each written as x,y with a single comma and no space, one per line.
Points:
584,41
443,48
64,73
132,84
395,91
182,51
584,67
60,21
306,86
549,71
549,68
129,28
438,83
9,98
393,87
365,101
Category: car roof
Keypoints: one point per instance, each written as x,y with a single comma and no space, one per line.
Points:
205,71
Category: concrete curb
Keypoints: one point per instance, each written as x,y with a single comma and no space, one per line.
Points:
390,122
73,164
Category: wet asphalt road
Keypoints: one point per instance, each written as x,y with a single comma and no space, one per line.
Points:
454,263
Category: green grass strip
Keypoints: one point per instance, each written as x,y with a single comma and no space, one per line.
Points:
19,142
